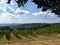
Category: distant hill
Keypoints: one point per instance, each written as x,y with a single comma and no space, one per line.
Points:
27,24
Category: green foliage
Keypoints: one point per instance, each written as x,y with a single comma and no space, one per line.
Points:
53,5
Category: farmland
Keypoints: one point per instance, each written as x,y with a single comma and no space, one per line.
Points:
29,33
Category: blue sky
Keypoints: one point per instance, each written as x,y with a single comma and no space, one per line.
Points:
10,13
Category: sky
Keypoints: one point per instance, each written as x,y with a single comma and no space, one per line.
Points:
10,13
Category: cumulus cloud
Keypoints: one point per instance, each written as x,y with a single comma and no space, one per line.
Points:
40,13
3,1
10,13
18,10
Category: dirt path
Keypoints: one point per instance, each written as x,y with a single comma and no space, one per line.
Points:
46,42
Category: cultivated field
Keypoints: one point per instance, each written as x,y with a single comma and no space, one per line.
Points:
49,35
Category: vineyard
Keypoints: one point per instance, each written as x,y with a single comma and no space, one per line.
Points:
41,33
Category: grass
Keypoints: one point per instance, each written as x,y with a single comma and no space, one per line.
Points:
49,32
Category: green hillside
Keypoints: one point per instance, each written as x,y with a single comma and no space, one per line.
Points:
54,28
28,35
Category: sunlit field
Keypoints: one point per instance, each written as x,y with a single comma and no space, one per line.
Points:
45,32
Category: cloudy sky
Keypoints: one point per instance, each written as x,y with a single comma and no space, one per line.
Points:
10,13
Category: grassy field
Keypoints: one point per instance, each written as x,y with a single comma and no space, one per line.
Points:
45,33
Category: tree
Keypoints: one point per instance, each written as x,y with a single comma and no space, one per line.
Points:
53,5
19,2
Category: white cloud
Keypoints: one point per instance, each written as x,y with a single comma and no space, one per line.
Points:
3,9
3,1
8,14
39,13
12,2
18,10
